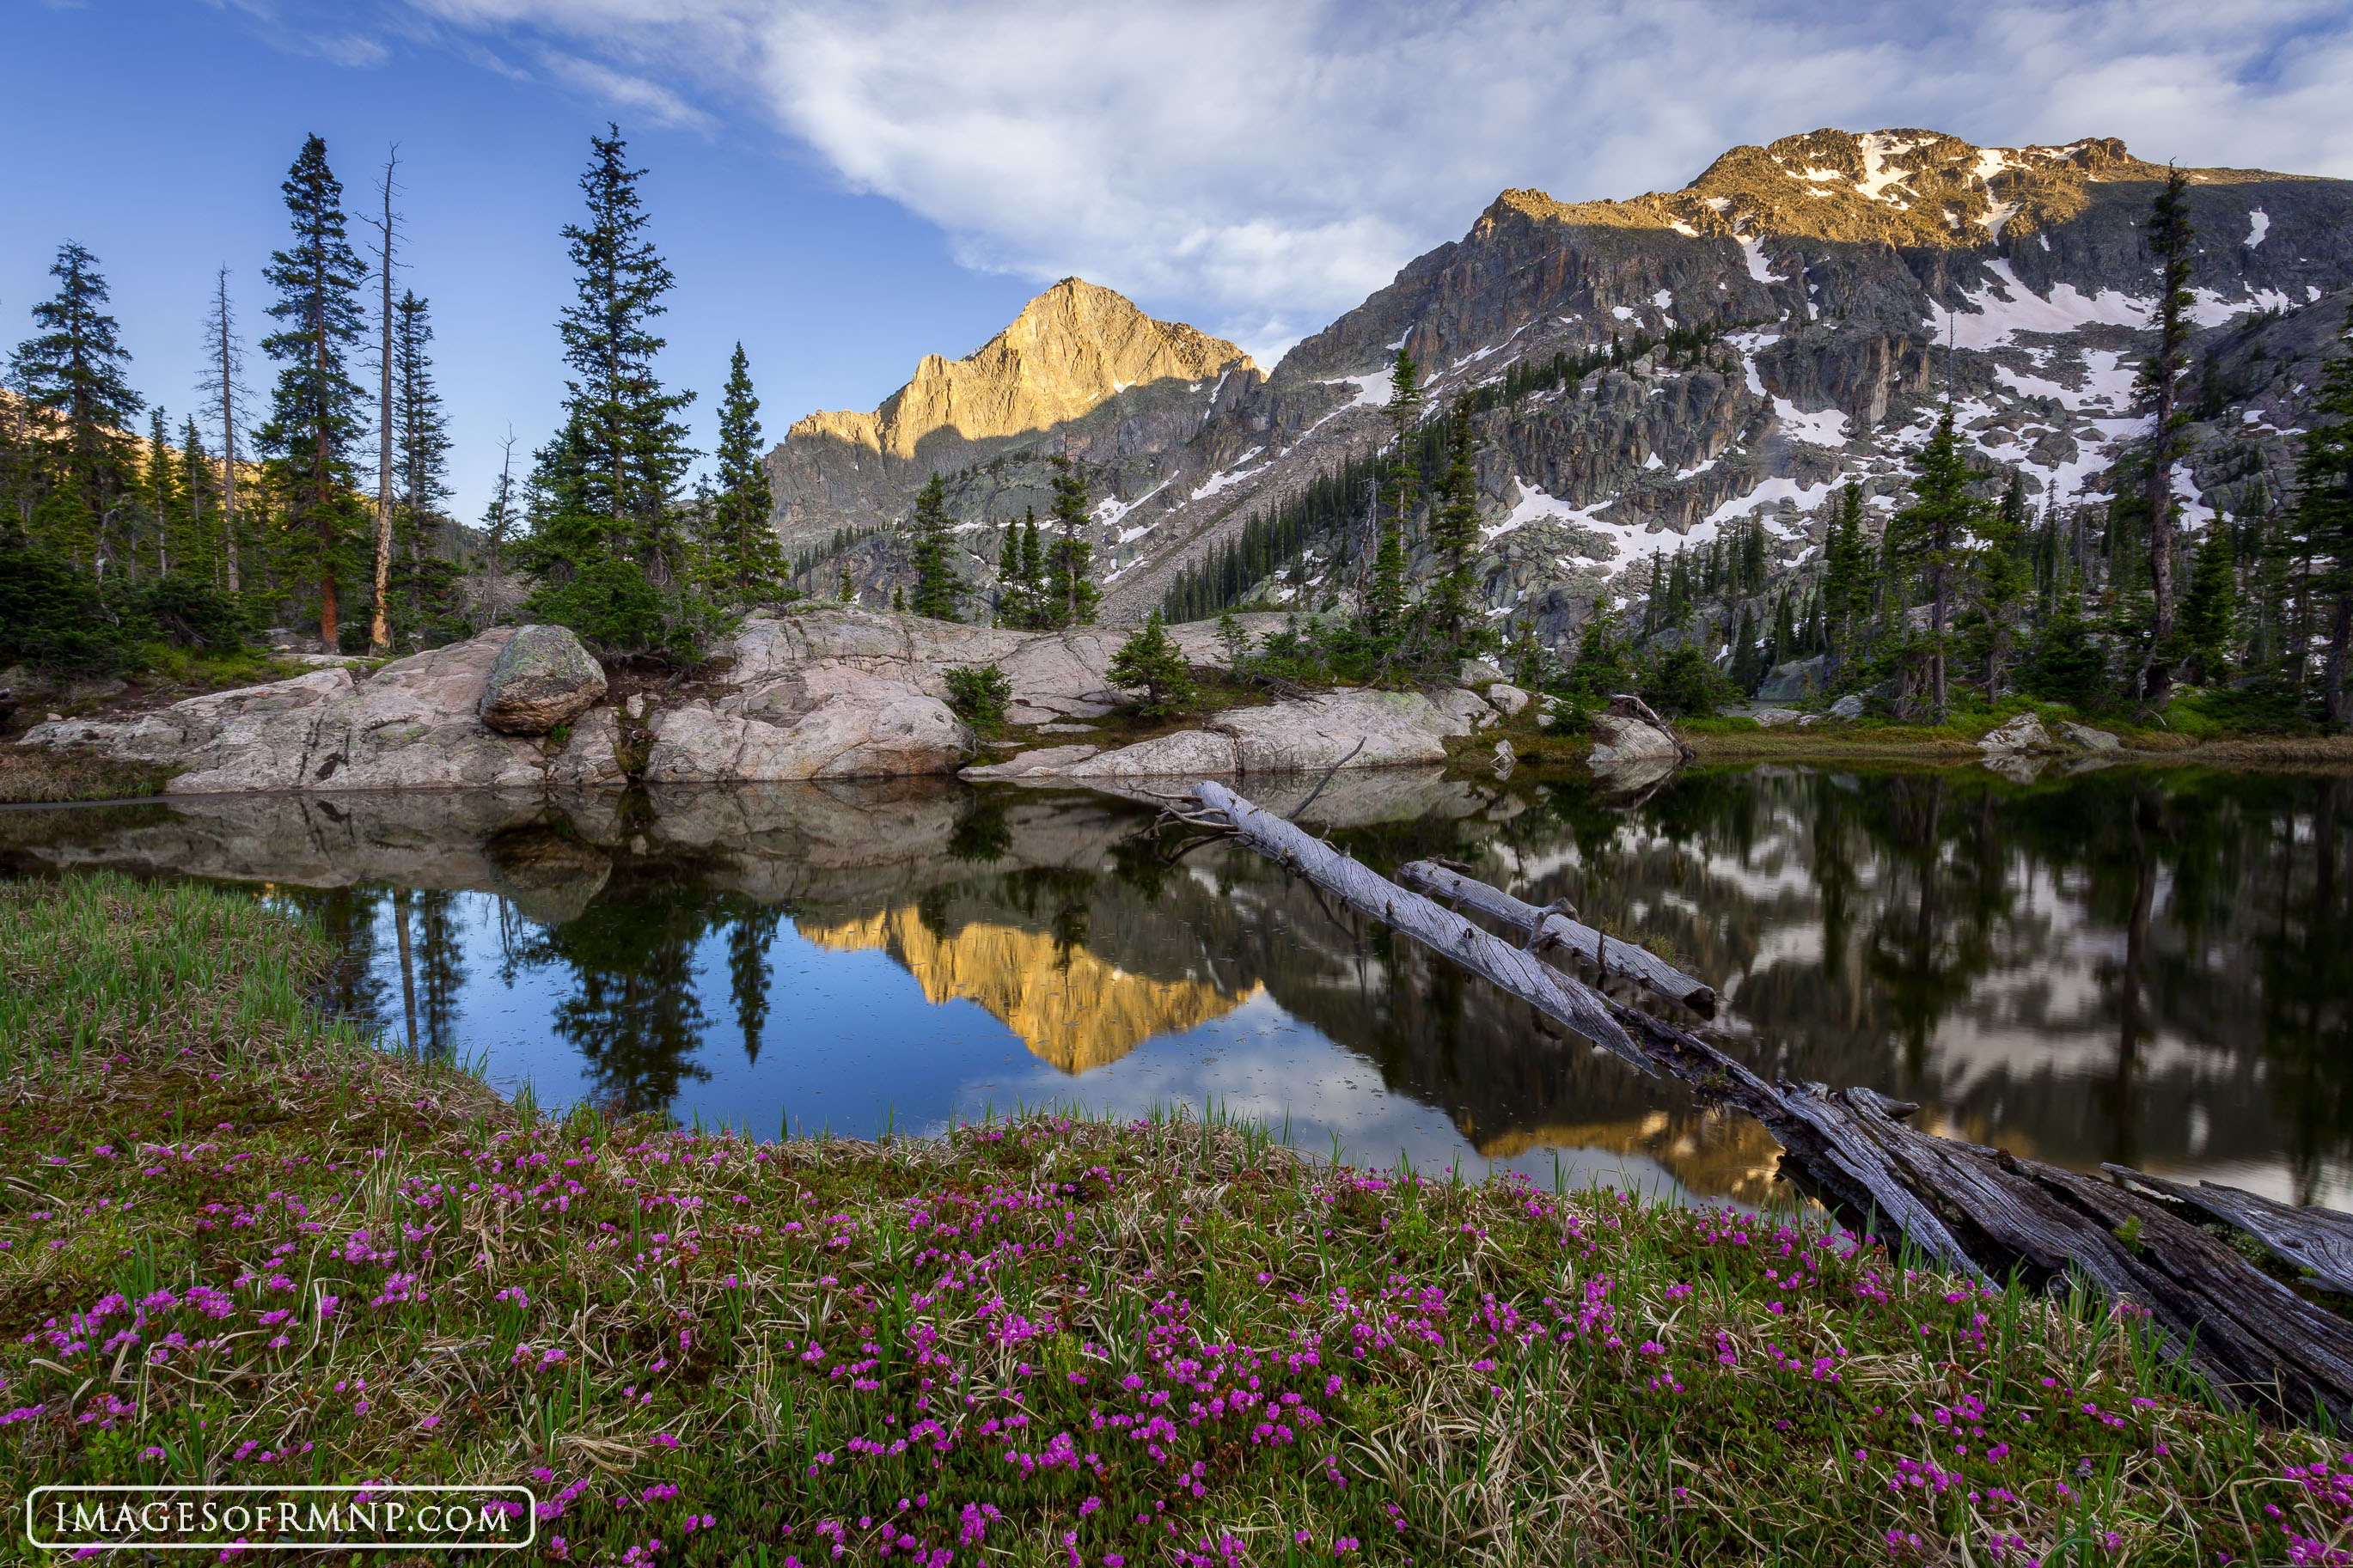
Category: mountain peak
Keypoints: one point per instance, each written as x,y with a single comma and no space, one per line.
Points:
1072,349
1910,188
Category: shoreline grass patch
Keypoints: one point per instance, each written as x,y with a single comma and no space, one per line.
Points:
242,1246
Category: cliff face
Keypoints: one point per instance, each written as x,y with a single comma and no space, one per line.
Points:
1852,282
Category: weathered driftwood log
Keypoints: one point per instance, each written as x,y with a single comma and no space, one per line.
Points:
1974,1210
1523,975
1549,927
2318,1241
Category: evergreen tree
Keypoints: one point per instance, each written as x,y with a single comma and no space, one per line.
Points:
79,407
609,476
1784,645
1033,571
1746,674
424,606
937,586
1009,610
743,556
200,546
2158,386
1385,594
420,428
2001,582
1931,537
2209,610
160,494
1454,534
315,414
2324,524
1602,668
2066,664
1070,592
1151,659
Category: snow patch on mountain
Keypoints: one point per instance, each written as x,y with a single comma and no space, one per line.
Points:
1998,314
1769,494
1227,475
1827,428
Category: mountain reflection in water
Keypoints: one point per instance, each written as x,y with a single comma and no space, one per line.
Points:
2149,967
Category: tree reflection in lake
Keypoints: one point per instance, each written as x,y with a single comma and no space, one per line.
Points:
2149,967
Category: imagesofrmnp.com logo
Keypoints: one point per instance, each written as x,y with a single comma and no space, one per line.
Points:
287,1518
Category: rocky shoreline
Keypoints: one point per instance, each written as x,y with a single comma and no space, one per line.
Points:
825,693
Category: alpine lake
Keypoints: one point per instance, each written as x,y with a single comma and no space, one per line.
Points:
2147,966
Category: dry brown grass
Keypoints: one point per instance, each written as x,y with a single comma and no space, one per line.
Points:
30,775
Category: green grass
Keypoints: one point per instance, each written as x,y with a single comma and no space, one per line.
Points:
1052,1340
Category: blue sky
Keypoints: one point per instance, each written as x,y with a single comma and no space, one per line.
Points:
848,187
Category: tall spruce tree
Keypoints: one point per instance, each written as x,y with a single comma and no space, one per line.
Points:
610,476
201,543
2209,610
160,492
1454,535
1008,610
1932,536
315,410
1400,497
938,589
1745,673
742,557
80,408
2324,524
1071,591
2001,582
2158,386
424,601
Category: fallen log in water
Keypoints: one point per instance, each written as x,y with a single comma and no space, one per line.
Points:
1522,973
1973,1210
1553,928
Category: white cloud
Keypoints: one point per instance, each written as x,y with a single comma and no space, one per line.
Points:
624,91
1259,168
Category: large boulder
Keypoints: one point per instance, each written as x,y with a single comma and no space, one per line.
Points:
828,721
1311,735
1366,729
1462,707
1799,677
1620,738
1506,699
542,677
2087,738
412,725
2023,733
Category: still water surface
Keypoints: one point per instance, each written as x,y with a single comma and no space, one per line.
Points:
2147,968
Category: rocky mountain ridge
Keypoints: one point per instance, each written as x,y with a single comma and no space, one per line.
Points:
1819,297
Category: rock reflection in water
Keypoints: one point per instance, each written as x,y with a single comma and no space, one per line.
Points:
2124,965
1070,1008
